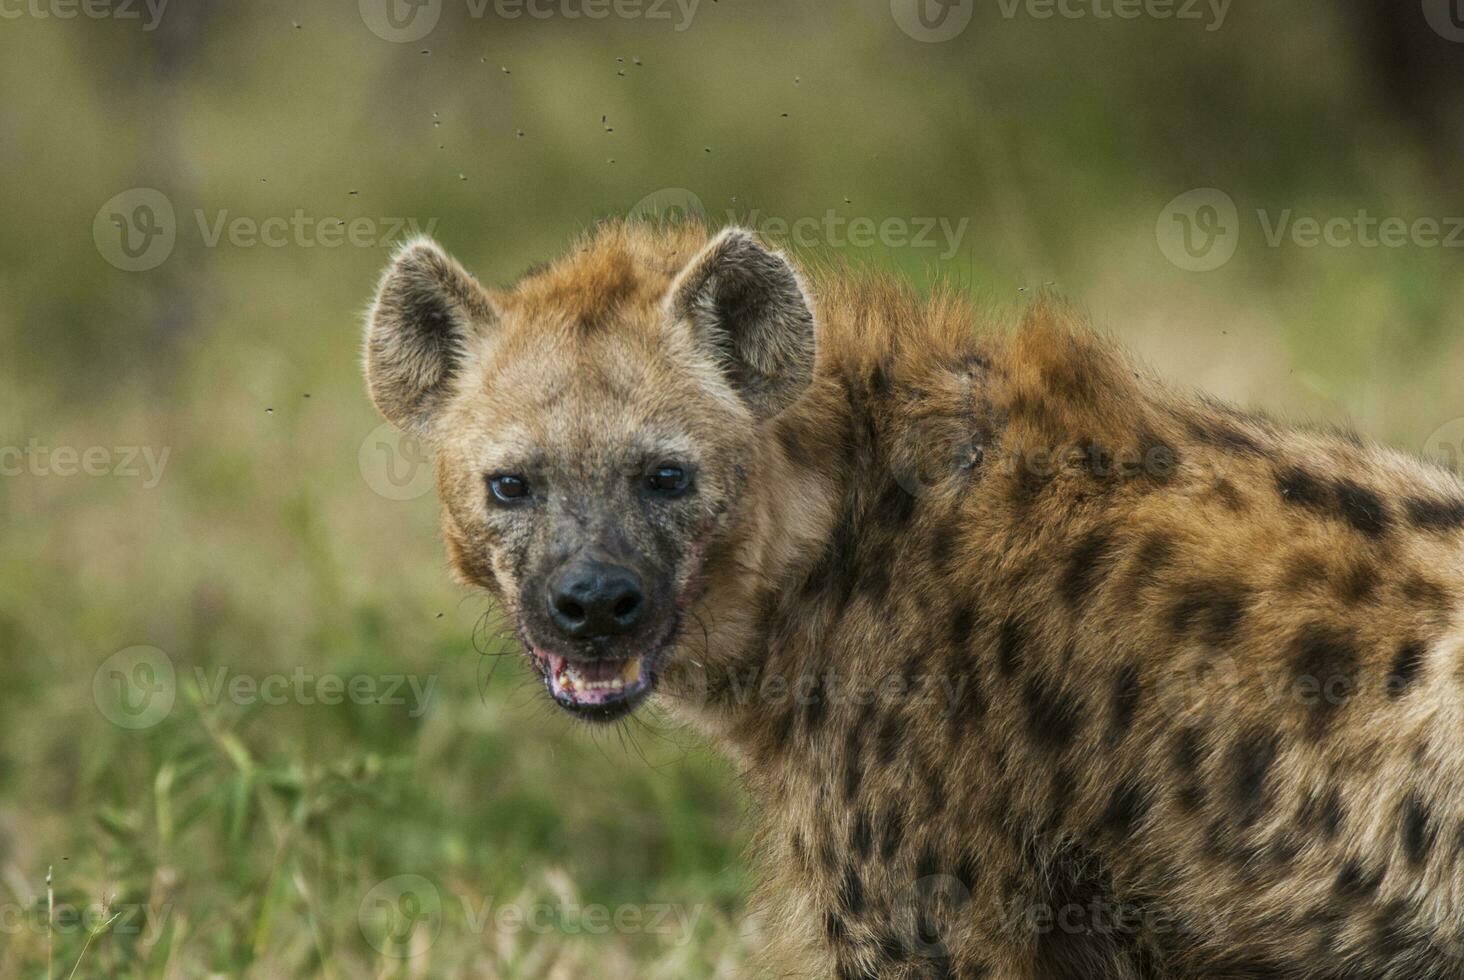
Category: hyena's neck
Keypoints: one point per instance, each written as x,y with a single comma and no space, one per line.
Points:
831,499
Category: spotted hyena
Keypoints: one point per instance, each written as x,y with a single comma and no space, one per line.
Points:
1032,666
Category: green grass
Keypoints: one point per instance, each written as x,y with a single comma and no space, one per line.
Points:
270,839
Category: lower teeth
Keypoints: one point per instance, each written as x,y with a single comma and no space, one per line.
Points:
571,678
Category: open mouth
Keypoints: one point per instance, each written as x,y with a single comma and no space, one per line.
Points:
601,690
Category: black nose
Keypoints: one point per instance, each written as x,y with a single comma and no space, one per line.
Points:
592,598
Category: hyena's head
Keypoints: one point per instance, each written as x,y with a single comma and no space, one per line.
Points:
594,426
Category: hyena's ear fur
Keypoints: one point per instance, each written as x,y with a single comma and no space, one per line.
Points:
747,308
426,309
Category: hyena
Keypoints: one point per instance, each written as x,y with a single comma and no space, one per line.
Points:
1032,666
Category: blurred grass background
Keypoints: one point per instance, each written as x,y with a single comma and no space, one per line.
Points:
245,839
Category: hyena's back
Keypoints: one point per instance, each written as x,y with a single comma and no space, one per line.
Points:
1187,670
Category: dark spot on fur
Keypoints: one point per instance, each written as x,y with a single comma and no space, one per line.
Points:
1304,569
1084,947
1188,757
966,701
1086,567
1422,592
861,837
874,582
943,538
879,380
1406,668
1031,479
1283,848
968,872
1224,436
891,946
1064,788
1250,765
935,789
927,865
793,448
1126,808
851,891
1418,832
962,621
815,705
1053,716
1358,506
1440,516
895,508
834,927
837,572
1362,508
1354,883
892,834
1322,813
853,765
1123,702
1154,555
1359,583
827,853
1012,647
1324,665
1215,608
1300,488
887,741
1229,495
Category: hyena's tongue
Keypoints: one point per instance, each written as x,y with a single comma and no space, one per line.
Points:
590,682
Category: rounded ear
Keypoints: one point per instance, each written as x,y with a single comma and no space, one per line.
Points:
747,308
427,307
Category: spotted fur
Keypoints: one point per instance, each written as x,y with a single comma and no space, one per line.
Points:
1032,666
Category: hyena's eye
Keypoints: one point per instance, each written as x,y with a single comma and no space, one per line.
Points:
507,488
668,480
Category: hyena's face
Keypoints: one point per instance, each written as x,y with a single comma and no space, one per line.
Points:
595,428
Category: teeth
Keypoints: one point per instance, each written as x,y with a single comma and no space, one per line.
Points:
572,680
